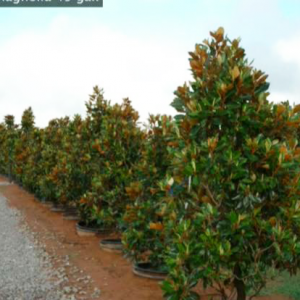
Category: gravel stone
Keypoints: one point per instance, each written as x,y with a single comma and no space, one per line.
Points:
96,293
25,269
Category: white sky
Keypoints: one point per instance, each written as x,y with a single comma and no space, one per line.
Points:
50,59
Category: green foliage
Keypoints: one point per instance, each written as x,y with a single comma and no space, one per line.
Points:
144,239
74,179
8,143
27,122
239,213
50,157
115,147
25,154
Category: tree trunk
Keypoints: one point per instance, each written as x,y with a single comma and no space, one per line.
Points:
239,283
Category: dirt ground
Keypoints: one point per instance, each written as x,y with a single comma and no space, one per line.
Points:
108,272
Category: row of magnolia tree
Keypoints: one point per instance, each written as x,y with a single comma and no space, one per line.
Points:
212,197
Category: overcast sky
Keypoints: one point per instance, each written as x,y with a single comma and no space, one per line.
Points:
50,59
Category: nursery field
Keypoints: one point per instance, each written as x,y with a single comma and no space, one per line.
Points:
89,272
108,272
206,202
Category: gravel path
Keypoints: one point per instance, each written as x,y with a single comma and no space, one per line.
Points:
25,269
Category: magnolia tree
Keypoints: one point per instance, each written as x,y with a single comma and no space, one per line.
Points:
74,179
239,214
24,150
115,141
51,148
3,131
10,136
144,238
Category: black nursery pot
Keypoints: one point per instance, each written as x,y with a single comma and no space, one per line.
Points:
70,213
70,210
112,245
57,208
18,182
146,270
86,230
39,198
47,203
